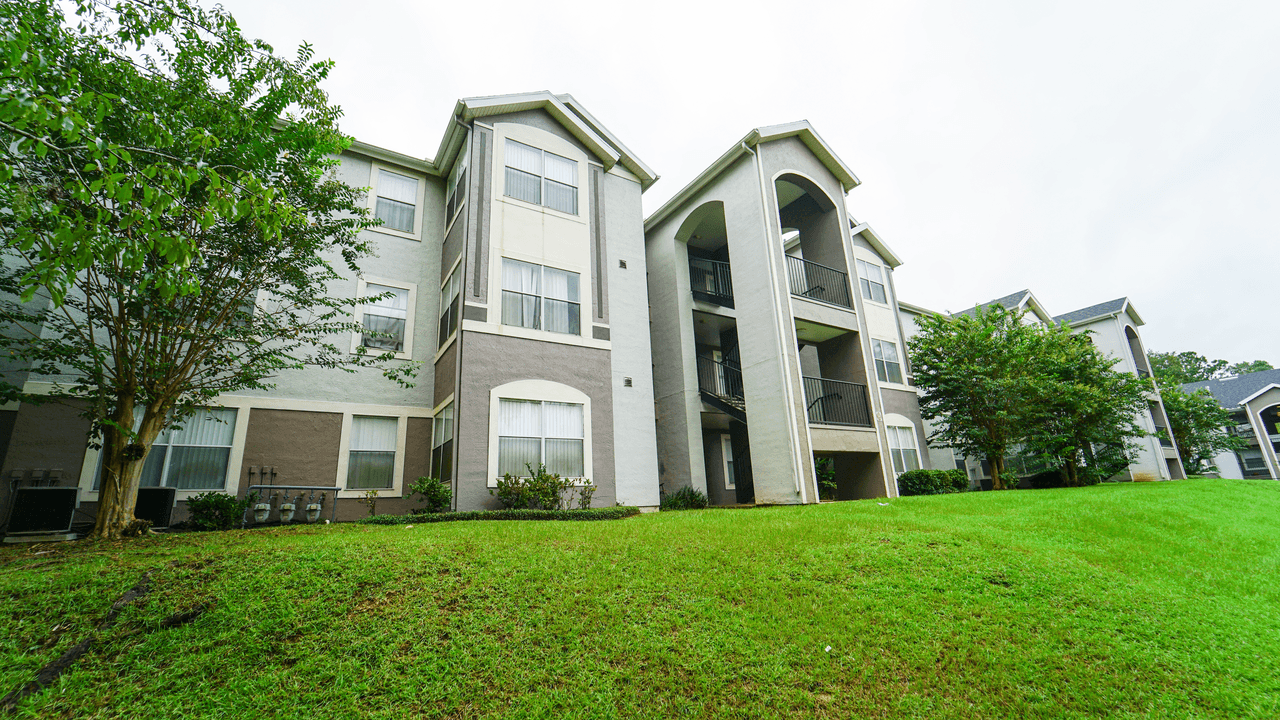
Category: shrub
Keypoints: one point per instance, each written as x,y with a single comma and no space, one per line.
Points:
590,514
686,498
217,511
436,495
932,482
540,491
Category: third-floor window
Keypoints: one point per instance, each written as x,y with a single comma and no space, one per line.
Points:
871,279
541,178
540,298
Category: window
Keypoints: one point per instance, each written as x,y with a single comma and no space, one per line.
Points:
532,432
888,367
1252,460
442,445
449,299
372,458
540,298
397,200
386,319
541,178
194,457
456,190
902,447
726,449
871,279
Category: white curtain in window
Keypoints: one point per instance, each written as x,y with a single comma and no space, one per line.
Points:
443,427
562,170
890,351
562,313
523,157
520,436
397,187
386,317
212,427
521,277
521,418
197,468
563,420
374,433
561,285
521,310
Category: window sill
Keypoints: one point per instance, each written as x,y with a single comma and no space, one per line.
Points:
876,303
885,384
577,482
544,209
395,233
445,347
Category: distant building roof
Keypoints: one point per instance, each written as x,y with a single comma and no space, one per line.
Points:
1110,307
1008,302
1230,392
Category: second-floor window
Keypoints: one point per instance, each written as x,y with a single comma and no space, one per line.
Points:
385,318
541,178
871,280
449,301
397,201
456,191
540,298
888,366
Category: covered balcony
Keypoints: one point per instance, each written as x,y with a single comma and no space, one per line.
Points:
812,281
837,402
710,280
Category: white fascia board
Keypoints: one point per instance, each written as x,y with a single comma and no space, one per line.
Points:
393,157
469,109
1245,401
1037,308
880,246
699,182
627,158
1128,307
812,140
917,310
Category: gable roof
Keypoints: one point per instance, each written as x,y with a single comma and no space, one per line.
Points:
863,229
565,109
1021,300
801,129
1231,392
1101,310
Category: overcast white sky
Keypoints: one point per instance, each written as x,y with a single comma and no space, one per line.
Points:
1085,150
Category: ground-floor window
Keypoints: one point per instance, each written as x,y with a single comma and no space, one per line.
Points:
902,447
726,449
372,458
532,432
442,445
193,457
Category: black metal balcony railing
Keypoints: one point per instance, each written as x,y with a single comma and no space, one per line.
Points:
721,385
710,281
836,402
818,282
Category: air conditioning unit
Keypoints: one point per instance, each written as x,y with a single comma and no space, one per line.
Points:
155,504
41,511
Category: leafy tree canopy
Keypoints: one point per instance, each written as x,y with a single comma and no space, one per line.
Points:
1173,369
172,228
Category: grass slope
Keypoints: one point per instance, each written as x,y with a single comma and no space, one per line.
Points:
1135,600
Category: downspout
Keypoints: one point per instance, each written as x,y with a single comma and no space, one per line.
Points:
797,469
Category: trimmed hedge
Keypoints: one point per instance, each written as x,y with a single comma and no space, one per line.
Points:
590,514
932,482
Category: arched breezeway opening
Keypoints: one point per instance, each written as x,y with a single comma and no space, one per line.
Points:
813,239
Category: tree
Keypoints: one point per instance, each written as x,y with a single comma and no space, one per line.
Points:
172,225
1184,367
972,372
1248,366
1082,414
1198,424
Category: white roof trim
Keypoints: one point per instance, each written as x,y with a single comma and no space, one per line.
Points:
1127,307
917,310
880,246
1272,386
393,157
469,109
801,128
628,159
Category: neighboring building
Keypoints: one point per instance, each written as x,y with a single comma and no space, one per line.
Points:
775,331
1113,328
1254,402
517,259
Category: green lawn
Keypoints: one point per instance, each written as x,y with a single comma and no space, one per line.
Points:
1135,600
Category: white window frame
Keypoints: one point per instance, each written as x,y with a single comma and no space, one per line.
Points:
169,445
397,463
455,277
876,354
437,425
863,267
374,175
543,179
542,297
895,432
541,391
726,456
460,167
357,338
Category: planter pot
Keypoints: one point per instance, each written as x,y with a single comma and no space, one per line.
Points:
261,512
313,512
286,512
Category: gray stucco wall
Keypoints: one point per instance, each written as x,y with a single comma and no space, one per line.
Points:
492,360
630,356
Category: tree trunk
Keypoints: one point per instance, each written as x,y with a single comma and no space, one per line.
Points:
997,481
1073,477
122,464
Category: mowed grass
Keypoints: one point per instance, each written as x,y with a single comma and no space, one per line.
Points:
1135,600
